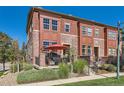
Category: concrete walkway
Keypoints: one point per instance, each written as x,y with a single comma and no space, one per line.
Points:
8,80
70,80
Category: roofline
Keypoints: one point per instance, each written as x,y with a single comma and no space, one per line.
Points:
66,16
30,15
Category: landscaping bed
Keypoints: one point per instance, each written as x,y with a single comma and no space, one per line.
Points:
1,73
45,74
36,75
99,82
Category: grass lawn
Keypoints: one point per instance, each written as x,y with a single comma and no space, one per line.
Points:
99,82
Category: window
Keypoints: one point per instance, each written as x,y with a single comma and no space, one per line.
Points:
54,43
122,37
67,27
83,50
54,25
47,43
112,35
112,51
89,31
84,30
97,33
46,23
89,50
123,49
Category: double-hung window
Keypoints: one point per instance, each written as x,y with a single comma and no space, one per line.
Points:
112,51
89,50
46,23
89,31
84,30
45,43
54,43
97,33
67,27
54,25
83,49
112,35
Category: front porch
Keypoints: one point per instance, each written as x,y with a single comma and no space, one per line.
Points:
54,55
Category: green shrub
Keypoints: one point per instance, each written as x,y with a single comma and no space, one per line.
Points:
78,66
63,70
105,66
13,68
1,73
109,67
37,75
70,67
27,66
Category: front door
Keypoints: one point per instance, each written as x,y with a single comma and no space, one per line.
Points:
96,53
66,52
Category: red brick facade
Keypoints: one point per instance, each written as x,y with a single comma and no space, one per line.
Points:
97,37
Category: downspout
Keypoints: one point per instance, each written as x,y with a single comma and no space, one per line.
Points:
39,36
78,27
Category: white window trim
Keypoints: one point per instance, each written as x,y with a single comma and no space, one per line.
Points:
97,30
55,25
84,30
91,31
65,26
110,35
45,23
112,51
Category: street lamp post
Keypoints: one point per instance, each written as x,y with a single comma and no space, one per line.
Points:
118,55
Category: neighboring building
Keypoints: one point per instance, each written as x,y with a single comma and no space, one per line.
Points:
87,38
123,48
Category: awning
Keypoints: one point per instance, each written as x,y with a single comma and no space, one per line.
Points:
56,47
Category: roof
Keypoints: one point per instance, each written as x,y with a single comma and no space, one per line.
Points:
65,16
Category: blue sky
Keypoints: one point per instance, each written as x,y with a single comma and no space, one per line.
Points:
13,19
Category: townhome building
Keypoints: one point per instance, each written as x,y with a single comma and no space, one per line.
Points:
85,37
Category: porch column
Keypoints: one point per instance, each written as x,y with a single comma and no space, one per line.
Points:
42,59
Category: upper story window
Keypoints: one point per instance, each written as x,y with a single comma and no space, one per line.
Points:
54,25
89,31
97,33
112,35
84,30
46,23
67,27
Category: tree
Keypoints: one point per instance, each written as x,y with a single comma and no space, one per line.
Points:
5,42
23,51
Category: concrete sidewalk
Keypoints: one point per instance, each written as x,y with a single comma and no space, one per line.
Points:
70,80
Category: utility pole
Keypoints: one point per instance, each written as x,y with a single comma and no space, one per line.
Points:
118,55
